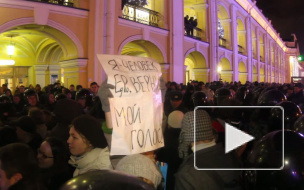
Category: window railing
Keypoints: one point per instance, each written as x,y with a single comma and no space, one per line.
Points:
241,50
141,15
197,33
222,42
68,3
261,59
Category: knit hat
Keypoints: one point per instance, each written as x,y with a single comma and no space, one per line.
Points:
26,124
90,128
139,165
175,119
203,126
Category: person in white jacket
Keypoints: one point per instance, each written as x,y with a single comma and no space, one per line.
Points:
88,146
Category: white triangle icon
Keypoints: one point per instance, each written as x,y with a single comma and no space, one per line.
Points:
235,138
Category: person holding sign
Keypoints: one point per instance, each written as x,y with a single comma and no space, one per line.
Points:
88,146
132,101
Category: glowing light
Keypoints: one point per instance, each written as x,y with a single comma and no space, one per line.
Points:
10,50
219,69
286,162
7,62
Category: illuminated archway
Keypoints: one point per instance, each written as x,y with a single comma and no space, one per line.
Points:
254,73
224,21
242,72
226,71
196,67
143,48
254,44
262,75
39,50
241,37
262,52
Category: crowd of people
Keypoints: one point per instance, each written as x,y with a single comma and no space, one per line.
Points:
50,136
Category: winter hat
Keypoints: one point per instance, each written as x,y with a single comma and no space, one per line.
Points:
204,130
175,119
26,123
66,110
139,165
90,128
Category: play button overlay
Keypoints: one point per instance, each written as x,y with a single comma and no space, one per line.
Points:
229,138
235,138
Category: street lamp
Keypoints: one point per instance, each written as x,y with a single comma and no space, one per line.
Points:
219,69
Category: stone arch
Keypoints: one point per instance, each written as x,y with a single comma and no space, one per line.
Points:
196,67
241,36
262,75
254,73
262,49
254,44
151,40
226,70
242,72
30,20
224,20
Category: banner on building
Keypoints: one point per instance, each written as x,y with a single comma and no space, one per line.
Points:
136,106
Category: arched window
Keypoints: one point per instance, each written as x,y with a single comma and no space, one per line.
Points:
220,30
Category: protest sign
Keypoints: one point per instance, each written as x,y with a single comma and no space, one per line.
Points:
136,106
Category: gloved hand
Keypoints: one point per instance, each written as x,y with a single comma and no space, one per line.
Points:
163,88
104,94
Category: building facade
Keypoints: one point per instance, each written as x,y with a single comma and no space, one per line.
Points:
59,39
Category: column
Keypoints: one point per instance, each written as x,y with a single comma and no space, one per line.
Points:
177,41
249,48
258,53
213,37
234,43
40,71
74,72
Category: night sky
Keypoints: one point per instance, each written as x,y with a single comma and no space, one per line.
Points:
287,17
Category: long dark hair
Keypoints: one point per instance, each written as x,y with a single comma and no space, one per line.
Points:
60,153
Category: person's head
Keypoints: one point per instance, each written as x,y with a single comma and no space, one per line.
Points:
16,99
142,167
94,88
78,87
37,88
8,92
25,127
21,89
37,115
175,119
4,87
53,153
17,162
31,97
204,131
84,97
51,98
72,88
176,99
199,99
297,87
85,135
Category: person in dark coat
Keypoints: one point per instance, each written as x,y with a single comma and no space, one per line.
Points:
65,111
53,156
297,96
208,155
19,168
